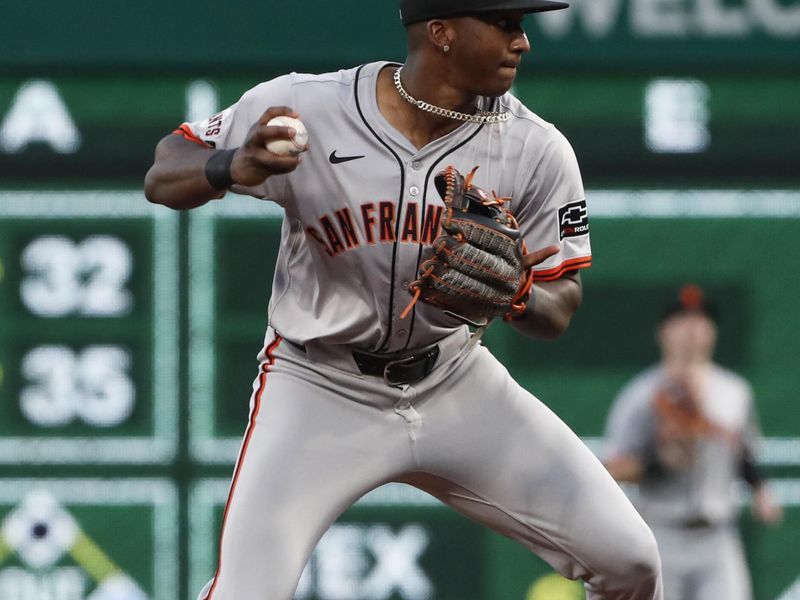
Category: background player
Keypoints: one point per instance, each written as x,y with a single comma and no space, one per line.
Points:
350,396
686,430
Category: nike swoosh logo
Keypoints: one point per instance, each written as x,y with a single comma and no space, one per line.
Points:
335,160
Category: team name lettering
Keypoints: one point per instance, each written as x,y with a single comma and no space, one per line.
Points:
387,221
345,219
340,230
214,125
430,226
334,241
315,234
368,219
410,224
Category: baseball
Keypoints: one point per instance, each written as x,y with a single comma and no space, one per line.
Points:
289,147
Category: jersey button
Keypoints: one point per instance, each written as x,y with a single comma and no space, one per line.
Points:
416,165
414,190
401,333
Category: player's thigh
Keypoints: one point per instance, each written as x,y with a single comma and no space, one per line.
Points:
308,454
681,560
517,467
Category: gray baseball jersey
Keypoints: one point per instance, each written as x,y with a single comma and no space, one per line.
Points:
361,213
691,510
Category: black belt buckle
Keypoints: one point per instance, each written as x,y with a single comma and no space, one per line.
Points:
412,368
398,368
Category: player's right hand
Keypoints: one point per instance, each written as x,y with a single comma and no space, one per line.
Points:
252,162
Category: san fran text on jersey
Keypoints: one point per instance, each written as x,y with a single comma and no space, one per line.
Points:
373,224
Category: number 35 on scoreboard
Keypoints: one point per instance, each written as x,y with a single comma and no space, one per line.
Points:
93,385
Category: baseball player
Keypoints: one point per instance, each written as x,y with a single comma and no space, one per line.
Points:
364,379
685,429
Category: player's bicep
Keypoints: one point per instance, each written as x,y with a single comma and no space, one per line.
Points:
625,467
552,210
176,159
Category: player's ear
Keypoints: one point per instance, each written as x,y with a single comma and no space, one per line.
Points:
441,34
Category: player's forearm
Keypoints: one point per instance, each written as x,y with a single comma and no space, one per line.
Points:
177,178
552,305
765,508
625,468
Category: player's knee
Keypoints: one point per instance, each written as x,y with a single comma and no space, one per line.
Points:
629,570
644,575
638,566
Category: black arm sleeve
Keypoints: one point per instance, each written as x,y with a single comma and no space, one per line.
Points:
749,471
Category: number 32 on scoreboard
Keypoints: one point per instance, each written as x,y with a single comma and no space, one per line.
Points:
84,279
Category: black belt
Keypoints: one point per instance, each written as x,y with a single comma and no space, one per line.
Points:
697,523
396,368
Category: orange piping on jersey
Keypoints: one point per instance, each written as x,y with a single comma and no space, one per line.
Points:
248,435
572,264
187,133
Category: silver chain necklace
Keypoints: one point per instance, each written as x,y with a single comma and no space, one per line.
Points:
481,117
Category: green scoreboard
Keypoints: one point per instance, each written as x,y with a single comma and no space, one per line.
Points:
89,331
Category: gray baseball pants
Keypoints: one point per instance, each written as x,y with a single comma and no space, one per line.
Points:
321,435
703,563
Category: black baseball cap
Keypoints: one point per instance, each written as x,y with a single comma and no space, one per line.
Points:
414,11
691,299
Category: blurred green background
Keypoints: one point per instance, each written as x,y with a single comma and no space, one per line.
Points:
685,116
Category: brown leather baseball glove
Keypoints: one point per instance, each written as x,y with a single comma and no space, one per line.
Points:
476,272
